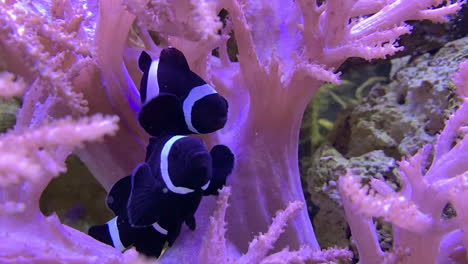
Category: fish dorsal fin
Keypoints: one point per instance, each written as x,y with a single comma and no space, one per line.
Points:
117,198
174,74
142,203
144,61
223,164
173,58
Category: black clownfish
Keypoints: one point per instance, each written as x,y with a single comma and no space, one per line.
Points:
163,193
176,101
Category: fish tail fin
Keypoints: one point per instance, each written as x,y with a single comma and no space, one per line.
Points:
112,234
140,206
174,57
150,242
101,233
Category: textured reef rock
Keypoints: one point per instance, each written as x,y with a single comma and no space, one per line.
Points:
394,121
8,106
326,167
407,113
432,180
65,197
8,110
427,36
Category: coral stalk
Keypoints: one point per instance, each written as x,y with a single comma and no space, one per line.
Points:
215,248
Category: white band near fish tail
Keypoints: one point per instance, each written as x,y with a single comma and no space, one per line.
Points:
152,86
204,187
165,167
195,94
114,234
159,228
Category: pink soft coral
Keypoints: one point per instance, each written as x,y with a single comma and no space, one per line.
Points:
77,58
32,155
214,248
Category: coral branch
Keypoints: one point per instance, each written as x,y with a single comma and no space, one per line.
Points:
259,246
306,255
194,20
396,12
460,79
440,15
27,36
378,44
317,72
9,86
394,208
21,152
62,132
214,243
52,242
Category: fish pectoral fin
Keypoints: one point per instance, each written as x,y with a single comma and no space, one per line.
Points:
161,115
141,206
223,164
117,198
191,222
144,61
101,233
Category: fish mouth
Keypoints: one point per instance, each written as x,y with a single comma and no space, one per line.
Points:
222,121
218,123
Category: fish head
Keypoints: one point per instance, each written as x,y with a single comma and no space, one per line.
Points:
190,163
209,114
199,170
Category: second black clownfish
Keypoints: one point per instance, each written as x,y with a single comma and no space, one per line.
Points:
176,100
163,193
